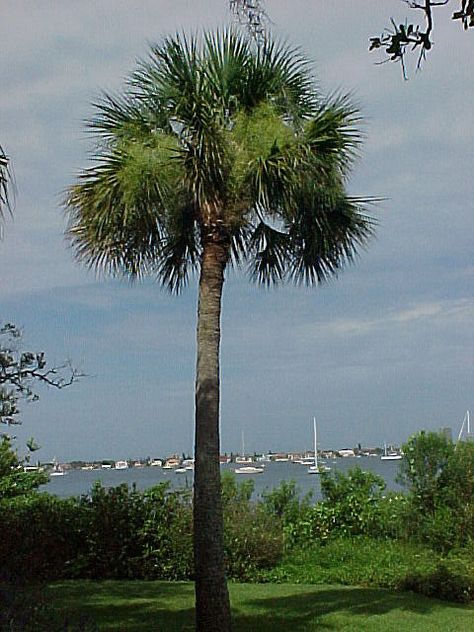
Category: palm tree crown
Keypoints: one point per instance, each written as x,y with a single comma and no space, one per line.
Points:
215,137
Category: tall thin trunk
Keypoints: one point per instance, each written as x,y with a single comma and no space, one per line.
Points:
212,597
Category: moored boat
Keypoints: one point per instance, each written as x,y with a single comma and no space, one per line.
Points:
390,456
249,469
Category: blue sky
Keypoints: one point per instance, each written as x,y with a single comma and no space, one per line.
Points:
377,354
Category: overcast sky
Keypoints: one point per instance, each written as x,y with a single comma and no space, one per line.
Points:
385,350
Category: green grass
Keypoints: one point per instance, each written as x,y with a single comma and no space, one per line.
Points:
126,606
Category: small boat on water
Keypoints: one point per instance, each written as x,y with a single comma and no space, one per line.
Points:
121,465
57,469
249,469
390,456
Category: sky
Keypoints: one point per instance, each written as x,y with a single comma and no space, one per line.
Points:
378,354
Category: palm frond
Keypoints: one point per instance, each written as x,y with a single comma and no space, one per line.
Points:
284,73
326,234
117,209
123,118
270,249
333,133
181,249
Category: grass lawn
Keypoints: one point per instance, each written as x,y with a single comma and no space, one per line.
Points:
126,606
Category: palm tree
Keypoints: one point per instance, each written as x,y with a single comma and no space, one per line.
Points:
218,154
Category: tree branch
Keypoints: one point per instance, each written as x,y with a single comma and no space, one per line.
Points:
21,370
402,38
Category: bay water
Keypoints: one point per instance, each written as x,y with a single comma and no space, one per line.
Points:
78,482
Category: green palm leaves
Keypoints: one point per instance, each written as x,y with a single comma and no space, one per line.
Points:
213,135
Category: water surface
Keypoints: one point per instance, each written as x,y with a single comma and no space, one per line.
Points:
79,482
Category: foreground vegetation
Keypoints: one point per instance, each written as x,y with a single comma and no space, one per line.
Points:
358,536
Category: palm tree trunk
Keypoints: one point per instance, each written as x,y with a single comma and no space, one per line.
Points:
212,597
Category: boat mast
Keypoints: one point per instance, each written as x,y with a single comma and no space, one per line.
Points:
315,444
465,421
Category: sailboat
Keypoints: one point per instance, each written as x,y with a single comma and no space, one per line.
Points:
57,470
316,468
390,456
467,436
247,469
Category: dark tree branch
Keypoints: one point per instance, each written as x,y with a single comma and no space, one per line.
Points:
21,370
252,15
402,38
7,189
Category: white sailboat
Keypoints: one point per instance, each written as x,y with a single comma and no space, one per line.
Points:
247,469
390,456
57,470
316,468
467,435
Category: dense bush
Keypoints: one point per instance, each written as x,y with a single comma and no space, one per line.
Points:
132,534
439,477
165,535
363,561
109,520
353,504
253,537
386,563
111,533
39,537
121,533
450,579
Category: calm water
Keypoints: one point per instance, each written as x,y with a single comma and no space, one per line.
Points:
80,482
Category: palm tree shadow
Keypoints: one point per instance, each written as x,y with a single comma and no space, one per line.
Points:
162,606
299,611
124,605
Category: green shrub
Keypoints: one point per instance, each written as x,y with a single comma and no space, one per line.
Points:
439,477
353,504
253,541
235,492
450,579
166,535
253,536
357,560
132,534
39,537
109,522
285,503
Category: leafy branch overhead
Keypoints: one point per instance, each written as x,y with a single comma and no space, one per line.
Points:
252,15
21,370
402,38
5,183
